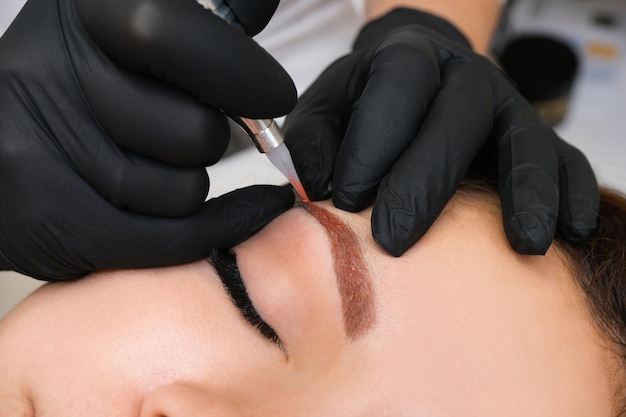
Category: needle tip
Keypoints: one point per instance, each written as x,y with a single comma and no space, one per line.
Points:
297,185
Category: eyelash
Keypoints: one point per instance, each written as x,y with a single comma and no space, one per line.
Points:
225,264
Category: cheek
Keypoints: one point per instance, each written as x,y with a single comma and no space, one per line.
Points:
206,340
151,332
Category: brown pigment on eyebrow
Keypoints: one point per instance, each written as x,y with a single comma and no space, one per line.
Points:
353,280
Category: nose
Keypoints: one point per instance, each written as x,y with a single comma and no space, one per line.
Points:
184,400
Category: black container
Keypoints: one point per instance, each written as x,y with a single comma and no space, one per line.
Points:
544,70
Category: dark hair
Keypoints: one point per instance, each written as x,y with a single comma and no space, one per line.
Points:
598,264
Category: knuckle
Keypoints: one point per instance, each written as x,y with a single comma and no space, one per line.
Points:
407,45
143,24
205,137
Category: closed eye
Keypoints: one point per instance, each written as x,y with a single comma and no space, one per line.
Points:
225,264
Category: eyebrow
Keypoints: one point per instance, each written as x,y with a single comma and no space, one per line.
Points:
353,278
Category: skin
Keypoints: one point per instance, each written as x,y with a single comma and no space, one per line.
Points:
476,19
463,326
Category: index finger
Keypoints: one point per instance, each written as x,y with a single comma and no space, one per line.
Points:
180,42
403,79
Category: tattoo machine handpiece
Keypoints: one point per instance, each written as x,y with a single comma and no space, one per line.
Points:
265,133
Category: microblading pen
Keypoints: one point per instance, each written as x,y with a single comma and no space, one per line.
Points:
264,133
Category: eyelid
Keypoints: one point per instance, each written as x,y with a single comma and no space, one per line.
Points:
225,264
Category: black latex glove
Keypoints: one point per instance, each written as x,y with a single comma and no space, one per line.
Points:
104,135
401,118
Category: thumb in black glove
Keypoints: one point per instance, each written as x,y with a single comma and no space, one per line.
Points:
114,105
399,121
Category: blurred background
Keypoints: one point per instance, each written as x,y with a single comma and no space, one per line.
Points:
567,56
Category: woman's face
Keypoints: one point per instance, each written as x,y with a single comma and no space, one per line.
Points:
459,325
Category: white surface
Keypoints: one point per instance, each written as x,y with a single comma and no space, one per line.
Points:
8,11
13,288
244,168
305,36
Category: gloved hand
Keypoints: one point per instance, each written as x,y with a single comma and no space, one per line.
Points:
108,115
400,119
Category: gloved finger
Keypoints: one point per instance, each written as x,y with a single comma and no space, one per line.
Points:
314,129
314,154
124,178
579,197
220,223
132,182
149,117
528,177
403,78
419,186
149,187
182,43
129,240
